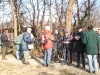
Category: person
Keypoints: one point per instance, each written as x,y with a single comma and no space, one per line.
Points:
5,43
80,48
27,39
55,51
67,47
99,48
91,40
17,41
48,45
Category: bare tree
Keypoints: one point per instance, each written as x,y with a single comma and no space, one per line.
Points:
42,19
14,18
69,14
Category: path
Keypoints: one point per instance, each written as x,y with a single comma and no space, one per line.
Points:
12,66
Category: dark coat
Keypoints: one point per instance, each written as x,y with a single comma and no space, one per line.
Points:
70,40
4,40
79,46
57,39
99,51
91,40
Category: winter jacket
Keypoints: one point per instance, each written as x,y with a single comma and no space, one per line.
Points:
91,40
69,39
57,39
26,40
49,40
99,50
79,45
4,40
17,42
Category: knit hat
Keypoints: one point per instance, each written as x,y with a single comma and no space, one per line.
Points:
29,30
65,31
47,28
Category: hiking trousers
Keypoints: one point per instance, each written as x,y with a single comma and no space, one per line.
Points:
4,49
26,55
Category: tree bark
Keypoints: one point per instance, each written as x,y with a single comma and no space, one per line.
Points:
69,14
14,18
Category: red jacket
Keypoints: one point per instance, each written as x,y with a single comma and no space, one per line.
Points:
49,38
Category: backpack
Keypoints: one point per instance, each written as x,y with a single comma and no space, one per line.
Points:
42,39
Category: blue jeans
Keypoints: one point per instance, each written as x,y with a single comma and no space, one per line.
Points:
18,54
47,56
92,59
78,58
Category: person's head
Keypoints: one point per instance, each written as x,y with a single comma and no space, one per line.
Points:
90,27
80,29
65,32
5,31
98,31
29,30
47,28
56,31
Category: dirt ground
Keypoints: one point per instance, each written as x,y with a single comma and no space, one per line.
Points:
12,66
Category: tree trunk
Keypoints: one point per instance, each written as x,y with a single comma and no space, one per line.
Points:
14,18
50,20
89,9
69,14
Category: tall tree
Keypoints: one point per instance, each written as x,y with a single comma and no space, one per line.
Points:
14,18
69,14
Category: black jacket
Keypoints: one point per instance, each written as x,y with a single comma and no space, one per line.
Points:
79,46
57,38
4,40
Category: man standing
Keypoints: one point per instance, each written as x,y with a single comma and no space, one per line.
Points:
48,45
99,48
55,51
26,40
67,47
91,40
79,46
5,43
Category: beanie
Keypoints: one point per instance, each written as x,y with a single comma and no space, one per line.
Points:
47,28
65,31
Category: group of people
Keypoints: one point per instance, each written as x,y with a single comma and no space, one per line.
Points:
85,43
86,46
23,43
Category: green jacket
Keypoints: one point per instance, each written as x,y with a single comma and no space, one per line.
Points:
91,41
17,42
99,45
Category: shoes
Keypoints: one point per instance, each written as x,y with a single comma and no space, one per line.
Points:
83,67
4,58
45,65
95,72
78,66
90,71
69,64
29,57
26,63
